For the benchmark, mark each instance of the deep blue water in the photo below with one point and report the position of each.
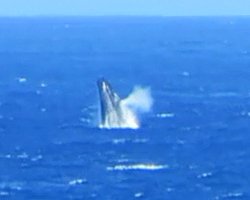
(194, 144)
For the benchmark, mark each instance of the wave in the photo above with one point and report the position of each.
(140, 166)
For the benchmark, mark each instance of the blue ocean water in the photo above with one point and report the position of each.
(194, 144)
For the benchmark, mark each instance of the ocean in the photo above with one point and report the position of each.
(193, 144)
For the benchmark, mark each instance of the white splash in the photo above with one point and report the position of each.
(138, 102)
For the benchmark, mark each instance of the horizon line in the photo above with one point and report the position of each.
(98, 16)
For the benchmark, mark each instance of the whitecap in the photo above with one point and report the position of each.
(123, 160)
(85, 120)
(185, 73)
(169, 189)
(223, 94)
(140, 166)
(245, 113)
(43, 109)
(205, 175)
(165, 115)
(22, 79)
(119, 141)
(77, 181)
(138, 194)
(36, 158)
(140, 140)
(8, 156)
(38, 92)
(11, 185)
(233, 194)
(23, 155)
(3, 193)
(43, 85)
(230, 195)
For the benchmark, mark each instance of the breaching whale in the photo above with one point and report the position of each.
(114, 112)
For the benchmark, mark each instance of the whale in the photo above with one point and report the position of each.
(114, 113)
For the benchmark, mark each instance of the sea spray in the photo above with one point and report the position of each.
(140, 100)
(123, 113)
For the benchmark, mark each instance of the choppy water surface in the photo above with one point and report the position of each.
(194, 144)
